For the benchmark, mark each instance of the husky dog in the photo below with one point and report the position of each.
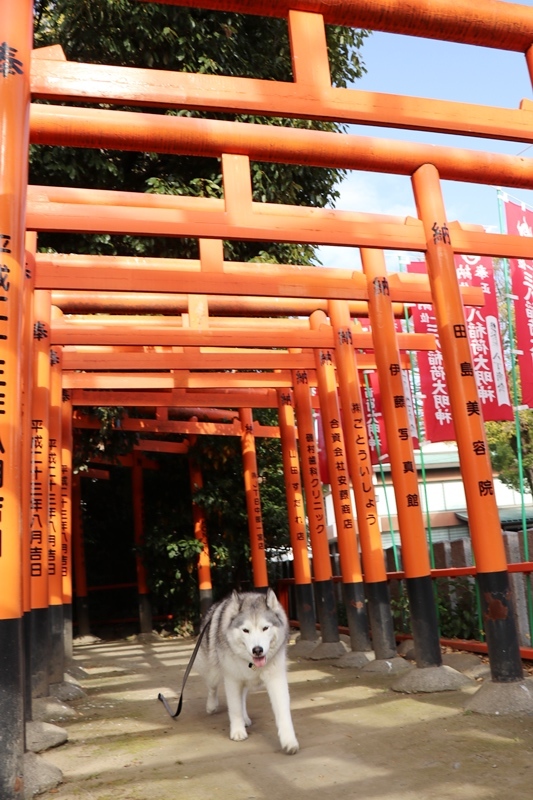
(245, 646)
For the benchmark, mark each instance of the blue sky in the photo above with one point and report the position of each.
(445, 71)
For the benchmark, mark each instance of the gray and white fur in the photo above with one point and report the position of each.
(245, 647)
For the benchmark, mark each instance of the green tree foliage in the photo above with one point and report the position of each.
(164, 37)
(170, 549)
(129, 33)
(105, 441)
(223, 499)
(503, 443)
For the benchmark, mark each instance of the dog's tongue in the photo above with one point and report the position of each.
(259, 662)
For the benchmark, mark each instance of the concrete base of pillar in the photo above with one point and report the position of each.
(67, 690)
(500, 699)
(86, 639)
(50, 709)
(41, 736)
(406, 648)
(430, 679)
(324, 650)
(39, 776)
(463, 662)
(387, 666)
(302, 648)
(355, 658)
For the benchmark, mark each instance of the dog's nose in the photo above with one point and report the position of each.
(257, 651)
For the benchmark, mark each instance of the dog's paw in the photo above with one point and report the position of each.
(212, 709)
(238, 735)
(247, 721)
(291, 747)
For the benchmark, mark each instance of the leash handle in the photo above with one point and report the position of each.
(162, 698)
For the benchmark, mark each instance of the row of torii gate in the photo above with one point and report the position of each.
(234, 316)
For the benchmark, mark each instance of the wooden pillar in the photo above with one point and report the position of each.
(205, 584)
(145, 609)
(296, 513)
(16, 29)
(361, 472)
(415, 555)
(352, 578)
(39, 499)
(78, 559)
(316, 511)
(25, 487)
(66, 520)
(476, 469)
(253, 501)
(55, 580)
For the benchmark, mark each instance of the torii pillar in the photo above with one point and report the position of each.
(253, 501)
(16, 26)
(55, 579)
(137, 489)
(431, 675)
(78, 561)
(295, 507)
(39, 497)
(360, 467)
(205, 585)
(326, 604)
(483, 517)
(352, 576)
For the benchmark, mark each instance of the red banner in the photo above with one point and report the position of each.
(485, 339)
(520, 221)
(375, 424)
(485, 344)
(434, 390)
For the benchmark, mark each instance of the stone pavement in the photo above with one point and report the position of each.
(357, 736)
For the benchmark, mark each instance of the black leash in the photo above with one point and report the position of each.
(189, 667)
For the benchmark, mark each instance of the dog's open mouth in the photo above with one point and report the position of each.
(259, 661)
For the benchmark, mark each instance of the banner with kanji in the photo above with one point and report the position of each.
(438, 423)
(485, 344)
(375, 424)
(520, 223)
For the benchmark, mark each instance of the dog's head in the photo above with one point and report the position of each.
(257, 627)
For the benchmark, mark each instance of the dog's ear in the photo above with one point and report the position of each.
(234, 602)
(272, 601)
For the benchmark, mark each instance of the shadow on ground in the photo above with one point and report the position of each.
(357, 737)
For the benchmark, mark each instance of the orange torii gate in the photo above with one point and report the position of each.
(218, 216)
(282, 290)
(245, 332)
(310, 95)
(200, 336)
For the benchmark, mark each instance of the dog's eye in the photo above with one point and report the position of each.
(245, 630)
(266, 627)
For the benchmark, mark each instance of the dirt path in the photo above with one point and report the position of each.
(358, 738)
